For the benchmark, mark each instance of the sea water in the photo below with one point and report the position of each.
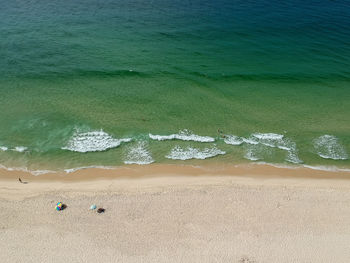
(108, 83)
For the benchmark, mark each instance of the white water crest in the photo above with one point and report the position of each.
(92, 142)
(178, 153)
(138, 154)
(271, 140)
(233, 140)
(253, 141)
(268, 136)
(328, 147)
(3, 148)
(20, 149)
(184, 135)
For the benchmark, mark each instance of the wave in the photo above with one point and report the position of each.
(290, 77)
(250, 141)
(268, 136)
(252, 155)
(24, 169)
(319, 168)
(184, 135)
(95, 141)
(233, 140)
(40, 172)
(272, 140)
(123, 73)
(286, 76)
(328, 147)
(178, 153)
(19, 149)
(138, 154)
(327, 168)
(72, 170)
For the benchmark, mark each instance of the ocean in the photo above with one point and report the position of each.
(113, 82)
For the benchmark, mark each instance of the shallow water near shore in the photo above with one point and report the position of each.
(86, 83)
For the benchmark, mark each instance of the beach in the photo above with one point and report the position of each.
(172, 213)
(209, 131)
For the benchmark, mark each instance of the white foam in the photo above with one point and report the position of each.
(285, 148)
(319, 168)
(178, 153)
(20, 149)
(233, 140)
(328, 147)
(292, 151)
(3, 148)
(184, 135)
(292, 157)
(25, 169)
(72, 170)
(41, 172)
(268, 139)
(272, 140)
(138, 154)
(327, 168)
(251, 155)
(250, 141)
(93, 142)
(268, 136)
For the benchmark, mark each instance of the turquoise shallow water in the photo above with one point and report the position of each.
(76, 77)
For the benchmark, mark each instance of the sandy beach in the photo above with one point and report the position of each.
(169, 213)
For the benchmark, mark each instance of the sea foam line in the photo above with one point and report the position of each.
(300, 166)
(184, 135)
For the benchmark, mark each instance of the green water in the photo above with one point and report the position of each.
(136, 67)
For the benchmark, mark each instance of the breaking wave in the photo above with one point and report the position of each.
(184, 135)
(328, 147)
(272, 140)
(178, 153)
(252, 154)
(3, 148)
(20, 149)
(138, 154)
(94, 141)
(233, 140)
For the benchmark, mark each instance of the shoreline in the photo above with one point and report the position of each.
(133, 171)
(135, 178)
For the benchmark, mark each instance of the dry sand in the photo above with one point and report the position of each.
(168, 213)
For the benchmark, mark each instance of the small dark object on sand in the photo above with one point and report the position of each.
(100, 210)
(20, 180)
